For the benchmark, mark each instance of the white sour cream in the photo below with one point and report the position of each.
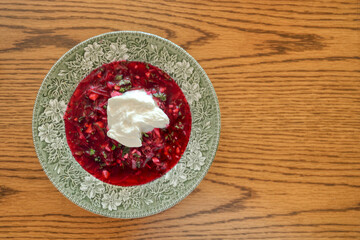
(131, 114)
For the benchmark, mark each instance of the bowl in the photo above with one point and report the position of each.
(81, 187)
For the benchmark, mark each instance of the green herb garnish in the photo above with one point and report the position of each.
(92, 152)
(124, 89)
(124, 82)
(179, 126)
(161, 96)
(113, 147)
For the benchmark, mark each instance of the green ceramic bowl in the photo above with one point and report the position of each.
(78, 185)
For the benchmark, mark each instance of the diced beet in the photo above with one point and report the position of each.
(107, 148)
(81, 135)
(79, 153)
(100, 131)
(105, 174)
(110, 84)
(157, 132)
(115, 93)
(156, 160)
(133, 164)
(93, 96)
(89, 129)
(100, 124)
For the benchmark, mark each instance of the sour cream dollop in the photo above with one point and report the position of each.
(132, 114)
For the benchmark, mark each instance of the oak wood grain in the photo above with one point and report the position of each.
(287, 75)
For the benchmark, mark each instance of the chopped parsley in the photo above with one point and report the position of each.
(92, 152)
(124, 89)
(179, 126)
(124, 82)
(161, 96)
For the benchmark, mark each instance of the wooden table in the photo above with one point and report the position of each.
(287, 77)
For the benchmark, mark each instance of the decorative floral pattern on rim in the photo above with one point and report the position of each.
(81, 187)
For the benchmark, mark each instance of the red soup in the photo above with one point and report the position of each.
(105, 158)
